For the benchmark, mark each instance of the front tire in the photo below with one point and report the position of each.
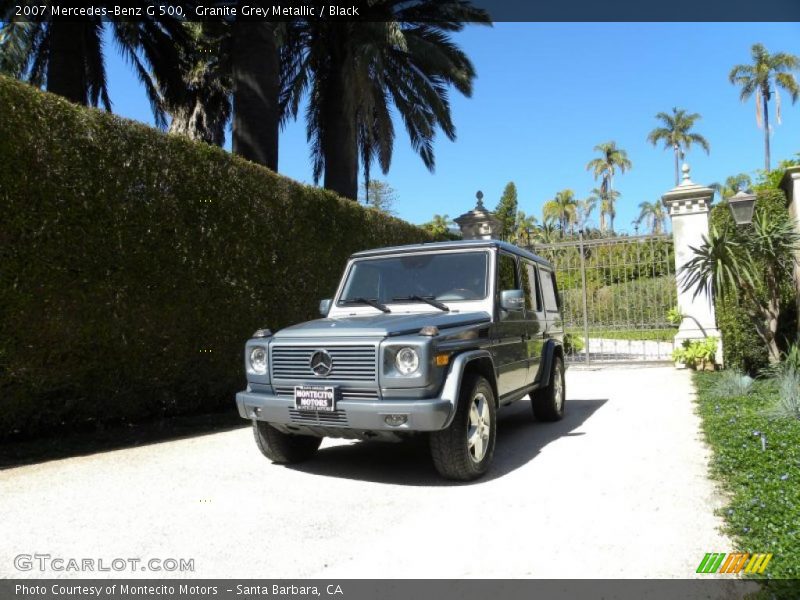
(464, 451)
(284, 448)
(548, 402)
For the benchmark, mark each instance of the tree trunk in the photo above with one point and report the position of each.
(339, 139)
(66, 68)
(766, 96)
(677, 165)
(256, 91)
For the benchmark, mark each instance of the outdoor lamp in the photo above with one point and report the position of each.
(742, 206)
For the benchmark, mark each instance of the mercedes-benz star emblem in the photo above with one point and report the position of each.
(321, 363)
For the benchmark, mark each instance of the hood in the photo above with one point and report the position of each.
(380, 325)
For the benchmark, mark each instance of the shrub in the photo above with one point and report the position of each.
(696, 353)
(731, 384)
(742, 347)
(787, 405)
(135, 264)
(573, 343)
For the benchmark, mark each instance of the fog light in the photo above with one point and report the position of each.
(395, 420)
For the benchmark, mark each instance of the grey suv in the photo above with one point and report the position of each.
(422, 339)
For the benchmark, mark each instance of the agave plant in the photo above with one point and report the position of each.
(749, 268)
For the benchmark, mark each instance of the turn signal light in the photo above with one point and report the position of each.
(442, 360)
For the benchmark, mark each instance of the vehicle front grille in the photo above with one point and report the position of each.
(302, 417)
(344, 393)
(349, 363)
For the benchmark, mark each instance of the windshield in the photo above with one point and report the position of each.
(442, 276)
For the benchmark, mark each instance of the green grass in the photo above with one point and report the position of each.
(763, 513)
(661, 335)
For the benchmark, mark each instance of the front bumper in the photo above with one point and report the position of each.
(353, 415)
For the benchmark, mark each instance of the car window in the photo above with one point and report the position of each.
(530, 284)
(549, 290)
(446, 276)
(506, 273)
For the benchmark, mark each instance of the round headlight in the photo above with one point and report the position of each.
(407, 361)
(258, 359)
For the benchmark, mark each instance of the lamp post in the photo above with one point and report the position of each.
(742, 207)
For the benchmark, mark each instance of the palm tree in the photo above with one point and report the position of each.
(203, 108)
(546, 233)
(675, 132)
(767, 73)
(583, 211)
(604, 167)
(653, 216)
(562, 209)
(732, 184)
(67, 57)
(439, 225)
(258, 54)
(398, 53)
(607, 200)
(523, 227)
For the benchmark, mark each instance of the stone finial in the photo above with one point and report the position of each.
(685, 169)
(687, 197)
(478, 223)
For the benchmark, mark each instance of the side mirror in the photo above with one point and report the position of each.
(512, 300)
(325, 306)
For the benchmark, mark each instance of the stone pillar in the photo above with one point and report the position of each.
(688, 205)
(791, 185)
(479, 223)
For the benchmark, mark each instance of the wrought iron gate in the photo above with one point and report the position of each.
(615, 295)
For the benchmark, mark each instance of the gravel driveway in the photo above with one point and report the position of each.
(618, 489)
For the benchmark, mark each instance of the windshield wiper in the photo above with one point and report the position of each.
(371, 301)
(428, 299)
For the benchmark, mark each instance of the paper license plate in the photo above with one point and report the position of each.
(316, 398)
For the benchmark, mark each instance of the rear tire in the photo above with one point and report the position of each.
(548, 402)
(464, 451)
(284, 448)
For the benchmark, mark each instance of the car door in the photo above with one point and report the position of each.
(511, 353)
(535, 318)
(554, 326)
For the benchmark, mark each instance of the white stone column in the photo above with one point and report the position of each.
(479, 223)
(688, 205)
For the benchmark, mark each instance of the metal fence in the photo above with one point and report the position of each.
(615, 296)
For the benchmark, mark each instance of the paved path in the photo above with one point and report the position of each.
(617, 489)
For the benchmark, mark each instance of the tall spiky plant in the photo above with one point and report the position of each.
(733, 266)
(675, 132)
(764, 77)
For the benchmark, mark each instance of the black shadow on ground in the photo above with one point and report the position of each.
(116, 437)
(519, 440)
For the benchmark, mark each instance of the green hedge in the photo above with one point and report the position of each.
(742, 347)
(134, 264)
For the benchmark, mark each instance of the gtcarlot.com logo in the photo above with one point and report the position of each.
(719, 562)
(47, 562)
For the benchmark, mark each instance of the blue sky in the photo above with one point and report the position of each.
(547, 93)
